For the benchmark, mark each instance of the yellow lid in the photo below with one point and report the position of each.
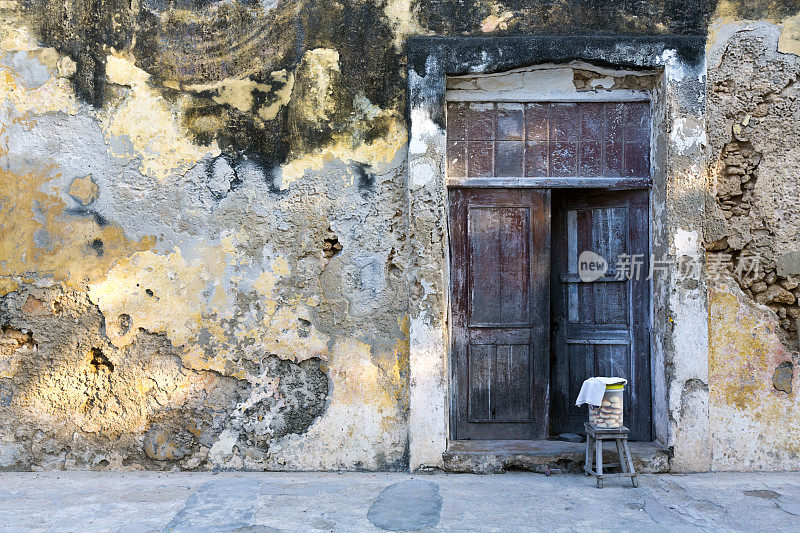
(615, 386)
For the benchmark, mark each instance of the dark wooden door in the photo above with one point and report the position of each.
(500, 267)
(601, 327)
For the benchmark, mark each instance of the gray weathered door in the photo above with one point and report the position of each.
(499, 252)
(601, 327)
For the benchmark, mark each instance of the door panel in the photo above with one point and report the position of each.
(499, 383)
(601, 327)
(498, 238)
(499, 250)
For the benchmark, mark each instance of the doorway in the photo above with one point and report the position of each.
(529, 326)
(537, 190)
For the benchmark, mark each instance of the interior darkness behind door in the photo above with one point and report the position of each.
(600, 327)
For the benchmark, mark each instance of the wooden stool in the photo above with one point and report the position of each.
(625, 464)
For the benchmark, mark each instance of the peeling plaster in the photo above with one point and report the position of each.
(147, 124)
(688, 134)
(192, 272)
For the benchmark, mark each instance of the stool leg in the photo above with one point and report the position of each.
(598, 449)
(623, 464)
(631, 469)
(588, 453)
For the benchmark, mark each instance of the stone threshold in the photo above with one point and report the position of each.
(543, 456)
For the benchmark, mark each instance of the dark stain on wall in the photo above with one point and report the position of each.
(453, 17)
(365, 179)
(96, 245)
(361, 33)
(763, 9)
(185, 42)
(189, 42)
(82, 29)
(99, 219)
(782, 377)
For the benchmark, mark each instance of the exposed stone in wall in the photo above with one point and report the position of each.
(737, 178)
(753, 214)
(754, 134)
(141, 402)
(736, 182)
(331, 246)
(588, 80)
(292, 399)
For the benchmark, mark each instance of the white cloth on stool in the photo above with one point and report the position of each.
(593, 389)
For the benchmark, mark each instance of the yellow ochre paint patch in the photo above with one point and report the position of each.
(744, 352)
(54, 96)
(39, 237)
(163, 293)
(789, 41)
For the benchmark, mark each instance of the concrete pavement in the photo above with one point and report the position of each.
(519, 501)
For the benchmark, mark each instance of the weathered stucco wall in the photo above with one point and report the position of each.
(206, 228)
(203, 259)
(754, 212)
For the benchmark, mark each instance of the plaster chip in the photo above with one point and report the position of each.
(789, 41)
(84, 190)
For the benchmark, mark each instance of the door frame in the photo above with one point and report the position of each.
(677, 149)
(580, 185)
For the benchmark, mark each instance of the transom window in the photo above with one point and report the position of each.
(578, 139)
